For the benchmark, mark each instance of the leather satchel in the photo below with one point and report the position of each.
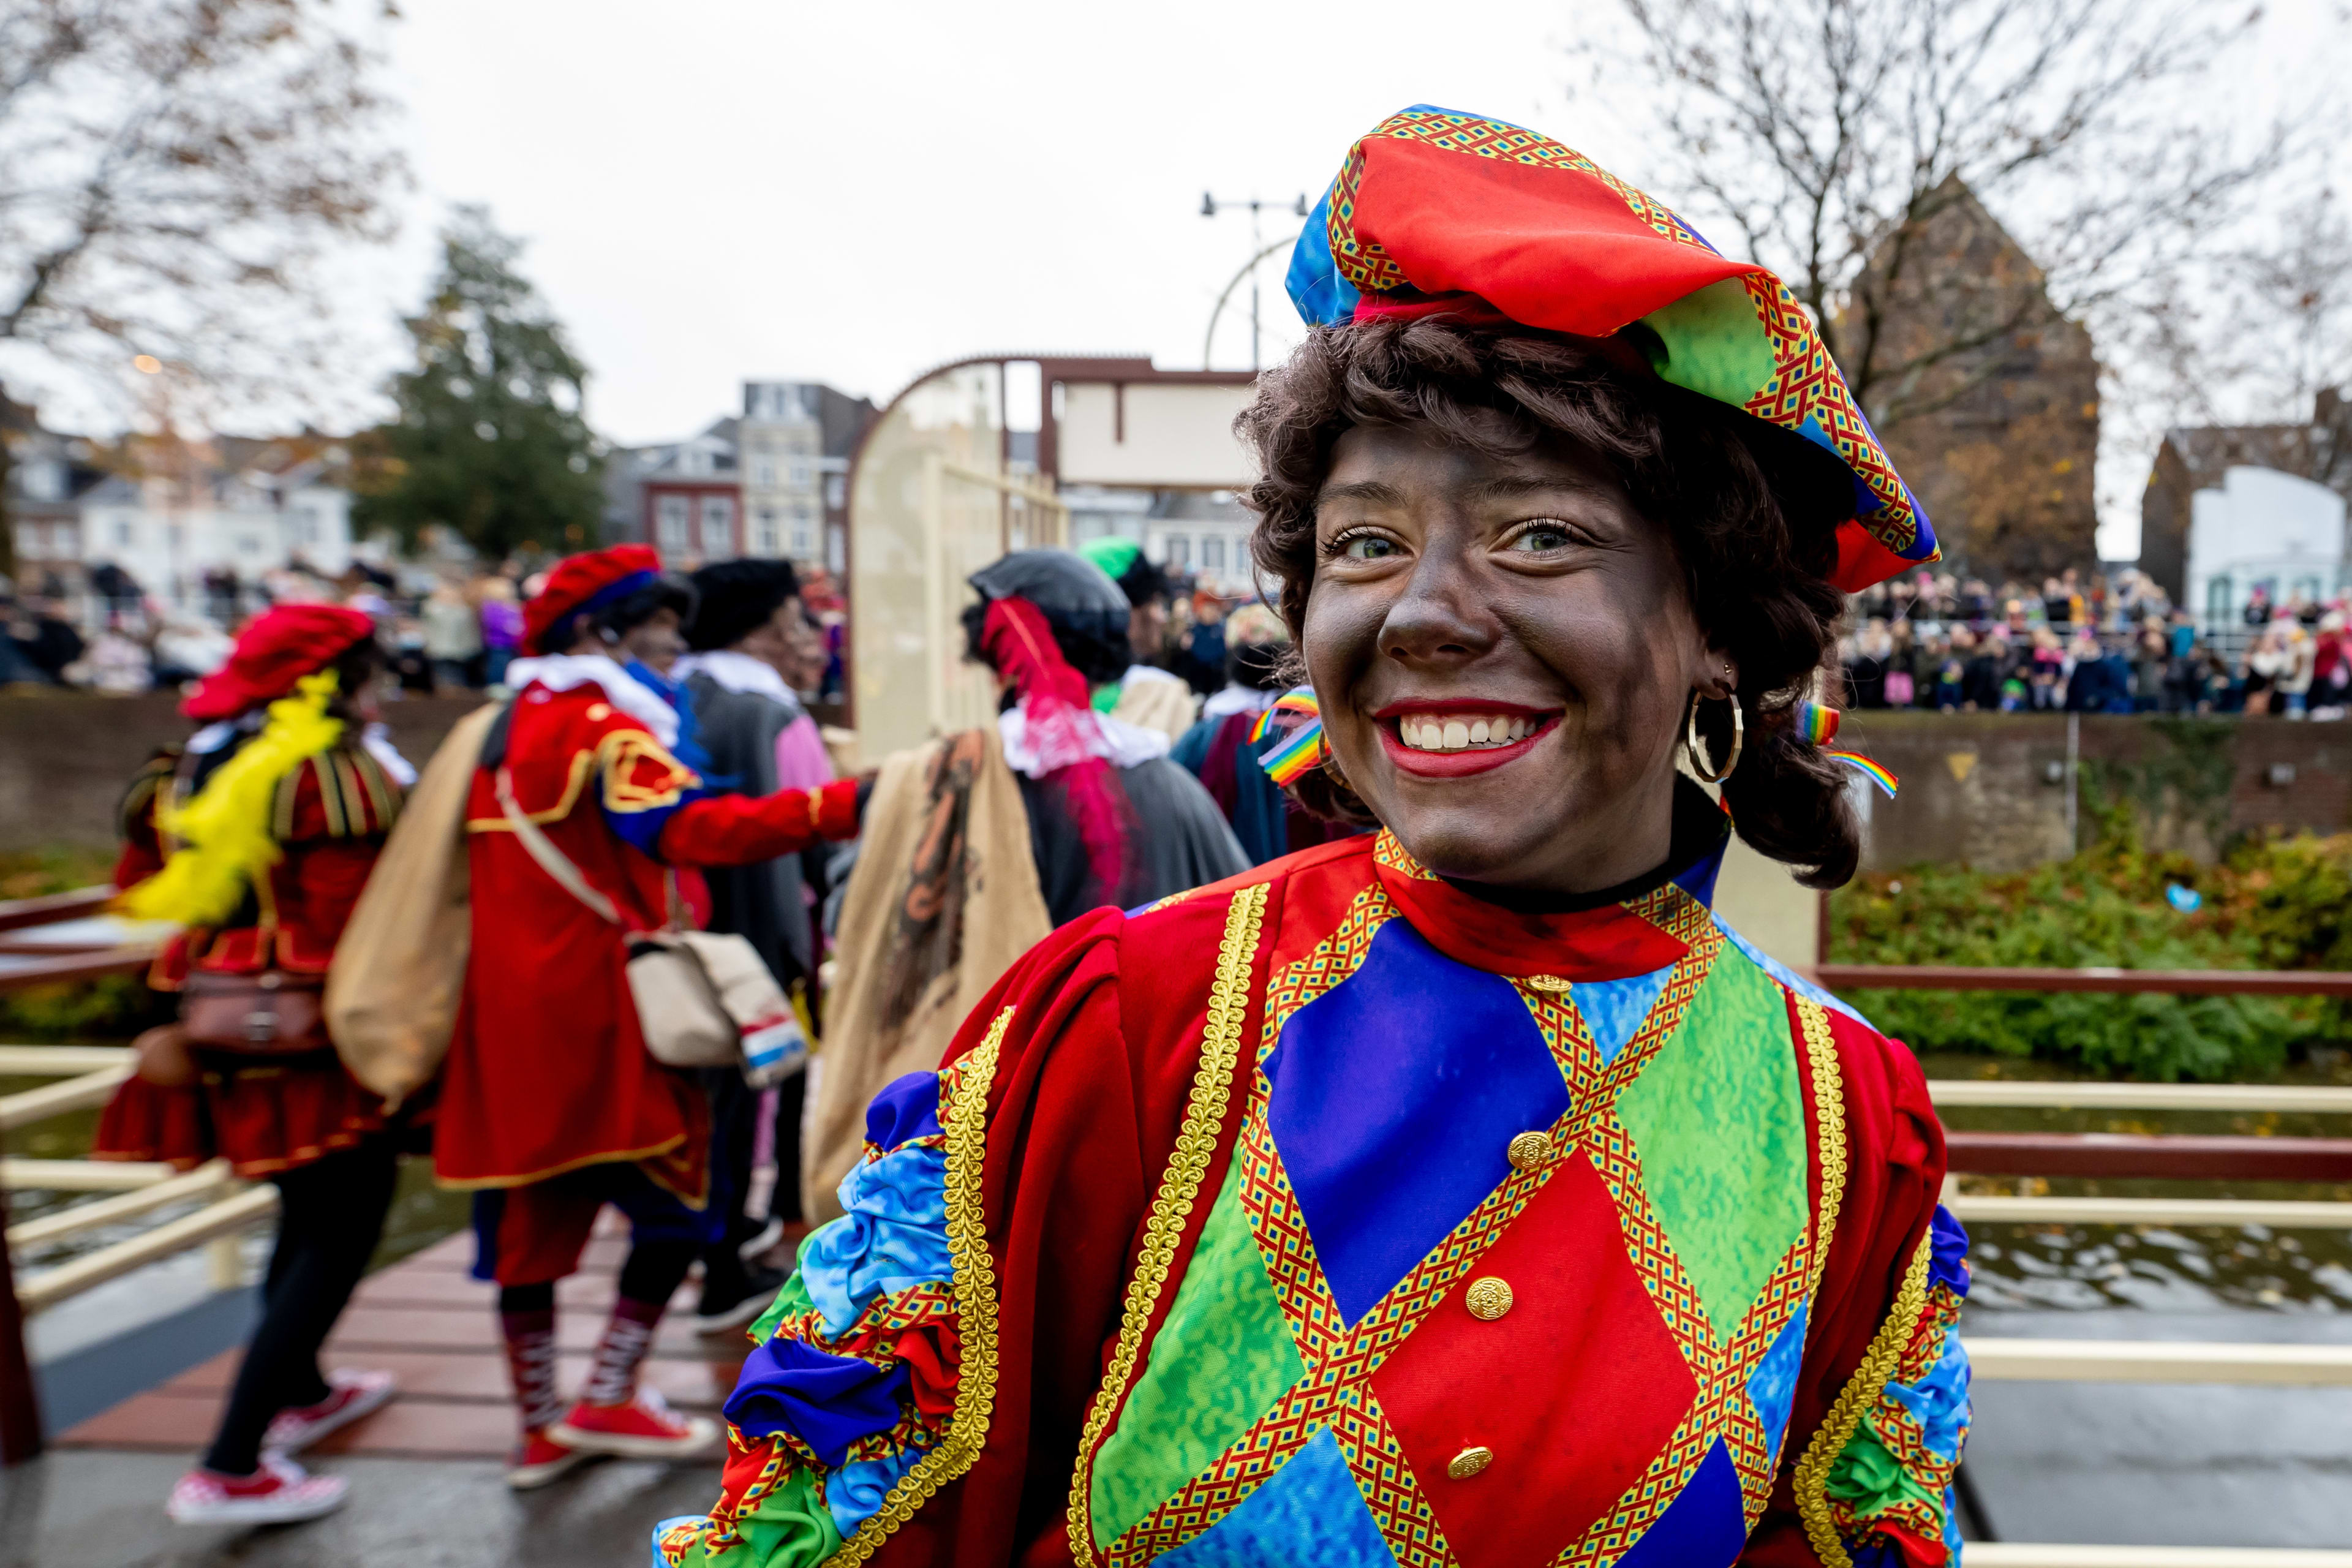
(697, 992)
(270, 1013)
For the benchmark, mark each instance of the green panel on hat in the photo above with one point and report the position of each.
(1713, 344)
(1115, 556)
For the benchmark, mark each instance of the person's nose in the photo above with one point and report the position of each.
(1437, 620)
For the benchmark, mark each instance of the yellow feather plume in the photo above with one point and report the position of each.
(224, 832)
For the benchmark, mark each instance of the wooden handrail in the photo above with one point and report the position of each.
(2018, 1360)
(2071, 1095)
(2278, 1214)
(128, 960)
(2171, 981)
(2170, 1156)
(247, 1208)
(17, 913)
(68, 1094)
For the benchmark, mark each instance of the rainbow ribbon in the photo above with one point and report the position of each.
(1816, 723)
(1301, 748)
(1867, 769)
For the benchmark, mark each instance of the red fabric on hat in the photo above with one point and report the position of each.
(1503, 231)
(278, 648)
(575, 580)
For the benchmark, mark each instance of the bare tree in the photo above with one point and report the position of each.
(171, 173)
(1832, 134)
(2293, 328)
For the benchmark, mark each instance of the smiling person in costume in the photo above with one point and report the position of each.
(258, 836)
(1465, 1192)
(550, 1105)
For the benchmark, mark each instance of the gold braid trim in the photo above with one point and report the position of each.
(1860, 1392)
(1180, 1188)
(966, 1124)
(1829, 1126)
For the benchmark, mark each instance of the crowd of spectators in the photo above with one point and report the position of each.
(443, 629)
(2101, 644)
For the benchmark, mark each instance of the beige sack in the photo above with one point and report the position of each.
(1167, 705)
(400, 969)
(944, 898)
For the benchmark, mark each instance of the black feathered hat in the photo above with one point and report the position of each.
(736, 598)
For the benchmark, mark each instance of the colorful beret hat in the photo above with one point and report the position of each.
(277, 648)
(1437, 212)
(591, 581)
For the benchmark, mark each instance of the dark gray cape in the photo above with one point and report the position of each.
(761, 902)
(1177, 838)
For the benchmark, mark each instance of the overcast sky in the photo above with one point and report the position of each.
(727, 189)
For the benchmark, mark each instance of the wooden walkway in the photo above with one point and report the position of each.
(432, 1325)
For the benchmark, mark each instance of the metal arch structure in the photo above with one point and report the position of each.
(935, 493)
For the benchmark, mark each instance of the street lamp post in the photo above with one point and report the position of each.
(1210, 206)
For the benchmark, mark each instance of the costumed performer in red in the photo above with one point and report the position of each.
(1465, 1191)
(551, 1106)
(258, 836)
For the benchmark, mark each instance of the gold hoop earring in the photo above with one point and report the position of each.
(1697, 748)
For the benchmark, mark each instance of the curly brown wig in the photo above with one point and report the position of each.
(1752, 510)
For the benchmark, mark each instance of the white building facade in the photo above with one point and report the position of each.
(2268, 530)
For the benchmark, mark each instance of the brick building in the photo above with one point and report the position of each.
(1987, 398)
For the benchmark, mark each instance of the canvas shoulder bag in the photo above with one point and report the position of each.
(697, 992)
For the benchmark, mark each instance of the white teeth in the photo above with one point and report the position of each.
(1430, 732)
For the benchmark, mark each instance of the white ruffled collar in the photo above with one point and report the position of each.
(1236, 698)
(737, 673)
(565, 672)
(1115, 740)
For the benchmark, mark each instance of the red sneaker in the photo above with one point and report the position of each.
(354, 1395)
(279, 1492)
(538, 1459)
(644, 1429)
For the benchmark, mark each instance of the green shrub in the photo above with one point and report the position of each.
(2282, 903)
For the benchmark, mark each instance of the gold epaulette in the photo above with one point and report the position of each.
(360, 799)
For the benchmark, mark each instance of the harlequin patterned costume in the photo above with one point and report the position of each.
(1437, 212)
(1333, 1216)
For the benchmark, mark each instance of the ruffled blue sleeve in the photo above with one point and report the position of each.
(1890, 1489)
(854, 1377)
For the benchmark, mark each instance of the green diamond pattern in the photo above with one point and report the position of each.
(1720, 1124)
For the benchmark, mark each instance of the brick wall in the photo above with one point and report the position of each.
(1978, 787)
(65, 756)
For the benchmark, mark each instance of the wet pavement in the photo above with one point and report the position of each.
(2163, 1465)
(105, 1509)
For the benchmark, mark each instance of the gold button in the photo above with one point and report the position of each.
(598, 712)
(1552, 983)
(1468, 1463)
(1487, 1298)
(1527, 1151)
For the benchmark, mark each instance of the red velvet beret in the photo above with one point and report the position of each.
(276, 649)
(578, 581)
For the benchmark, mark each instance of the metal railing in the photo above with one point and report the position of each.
(86, 1076)
(2170, 1157)
(140, 1188)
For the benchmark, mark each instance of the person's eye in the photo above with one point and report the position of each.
(1543, 536)
(1363, 546)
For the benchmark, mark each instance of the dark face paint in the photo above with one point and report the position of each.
(1451, 586)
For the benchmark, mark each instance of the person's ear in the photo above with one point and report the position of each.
(1718, 676)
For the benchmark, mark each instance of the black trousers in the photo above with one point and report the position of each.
(785, 1202)
(330, 1216)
